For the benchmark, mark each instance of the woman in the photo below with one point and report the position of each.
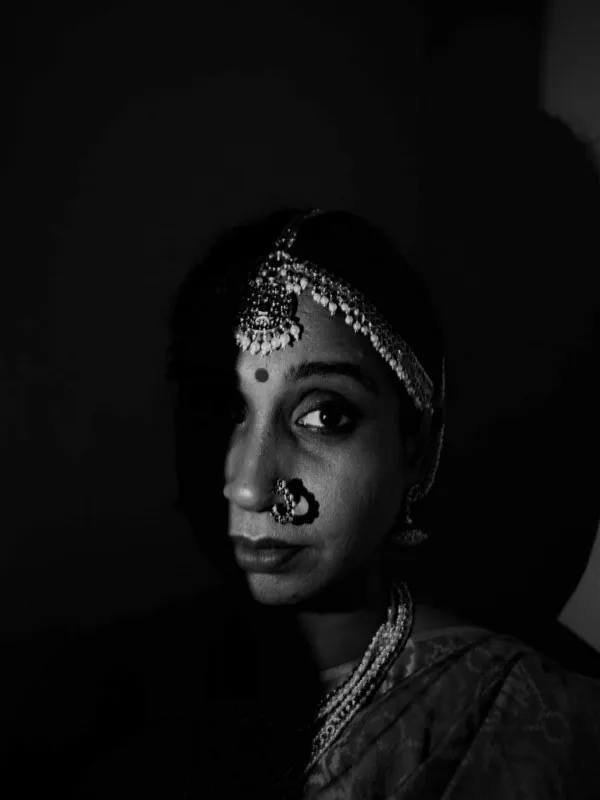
(306, 361)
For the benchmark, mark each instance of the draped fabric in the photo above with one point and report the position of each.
(462, 713)
(465, 713)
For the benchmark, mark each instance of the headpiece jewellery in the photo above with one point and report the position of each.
(268, 321)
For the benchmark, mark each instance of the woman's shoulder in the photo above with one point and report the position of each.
(505, 661)
(526, 693)
(432, 621)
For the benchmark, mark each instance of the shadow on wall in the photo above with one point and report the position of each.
(514, 242)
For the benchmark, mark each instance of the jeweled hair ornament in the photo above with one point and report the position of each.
(268, 320)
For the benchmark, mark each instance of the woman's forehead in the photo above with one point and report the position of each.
(324, 338)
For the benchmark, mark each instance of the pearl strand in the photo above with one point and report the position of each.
(337, 695)
(341, 718)
(347, 700)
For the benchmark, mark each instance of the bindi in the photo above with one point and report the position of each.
(261, 375)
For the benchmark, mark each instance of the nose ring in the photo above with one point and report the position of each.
(281, 488)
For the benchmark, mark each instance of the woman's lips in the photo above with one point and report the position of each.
(263, 543)
(264, 555)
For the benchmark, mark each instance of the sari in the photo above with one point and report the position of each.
(465, 713)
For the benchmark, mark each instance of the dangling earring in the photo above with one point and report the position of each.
(411, 535)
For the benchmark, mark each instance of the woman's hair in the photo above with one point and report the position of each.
(202, 349)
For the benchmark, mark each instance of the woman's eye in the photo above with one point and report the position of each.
(328, 418)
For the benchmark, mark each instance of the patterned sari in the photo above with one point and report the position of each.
(464, 713)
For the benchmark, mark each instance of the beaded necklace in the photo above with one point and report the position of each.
(340, 706)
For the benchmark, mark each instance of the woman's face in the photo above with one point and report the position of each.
(325, 412)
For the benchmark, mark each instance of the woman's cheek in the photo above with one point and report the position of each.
(351, 498)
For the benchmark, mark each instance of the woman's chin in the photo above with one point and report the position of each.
(276, 590)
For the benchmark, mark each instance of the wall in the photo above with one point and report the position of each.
(571, 90)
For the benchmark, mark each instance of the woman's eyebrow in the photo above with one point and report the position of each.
(308, 369)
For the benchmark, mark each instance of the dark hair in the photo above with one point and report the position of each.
(202, 350)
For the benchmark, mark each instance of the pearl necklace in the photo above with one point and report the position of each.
(341, 705)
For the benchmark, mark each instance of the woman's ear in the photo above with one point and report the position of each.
(421, 448)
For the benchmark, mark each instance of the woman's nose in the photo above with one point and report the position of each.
(249, 495)
(250, 474)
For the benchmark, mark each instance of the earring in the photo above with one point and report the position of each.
(411, 535)
(281, 488)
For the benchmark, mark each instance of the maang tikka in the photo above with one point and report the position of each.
(268, 322)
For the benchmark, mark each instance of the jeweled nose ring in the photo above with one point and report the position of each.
(281, 489)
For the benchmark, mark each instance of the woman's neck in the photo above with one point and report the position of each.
(324, 633)
(340, 636)
(339, 628)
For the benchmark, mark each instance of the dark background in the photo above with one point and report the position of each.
(137, 132)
